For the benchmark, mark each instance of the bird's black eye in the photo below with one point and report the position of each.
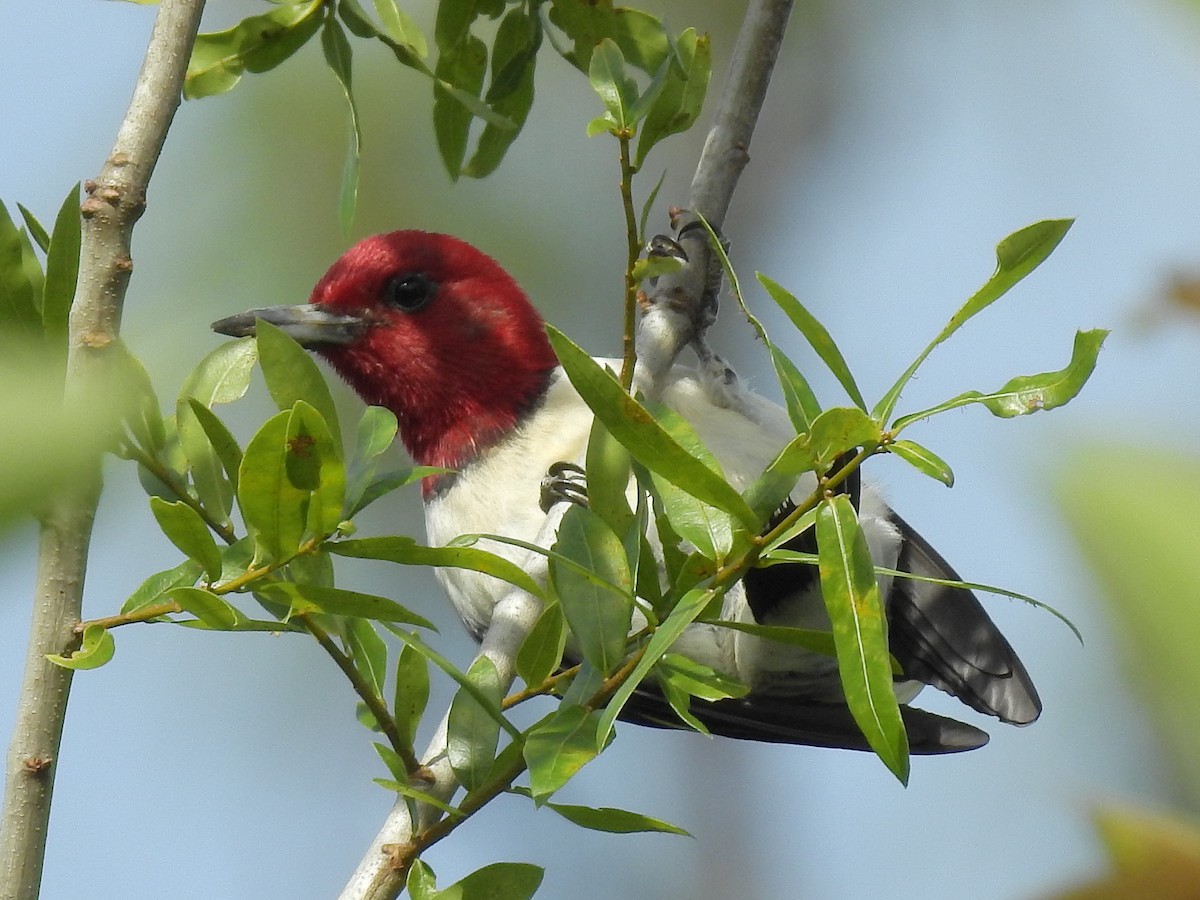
(409, 292)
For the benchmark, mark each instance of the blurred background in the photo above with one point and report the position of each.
(899, 143)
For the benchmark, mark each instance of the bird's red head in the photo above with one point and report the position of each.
(449, 342)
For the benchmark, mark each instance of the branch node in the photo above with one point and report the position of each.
(37, 765)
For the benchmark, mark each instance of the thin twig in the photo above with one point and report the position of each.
(116, 200)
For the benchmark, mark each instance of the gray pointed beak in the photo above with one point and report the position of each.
(308, 325)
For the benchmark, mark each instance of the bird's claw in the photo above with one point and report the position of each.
(563, 482)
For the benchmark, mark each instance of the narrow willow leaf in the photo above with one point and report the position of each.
(809, 638)
(686, 611)
(472, 733)
(460, 71)
(292, 375)
(407, 552)
(1016, 256)
(186, 530)
(62, 271)
(392, 760)
(369, 653)
(1029, 393)
(213, 488)
(816, 335)
(608, 473)
(154, 588)
(860, 631)
(614, 821)
(412, 692)
(923, 460)
(256, 44)
(647, 441)
(314, 454)
(498, 881)
(542, 650)
(383, 484)
(37, 231)
(339, 57)
(20, 318)
(274, 509)
(311, 598)
(223, 375)
(802, 405)
(222, 440)
(96, 648)
(209, 608)
(598, 609)
(682, 96)
(558, 747)
(699, 680)
(407, 790)
(400, 26)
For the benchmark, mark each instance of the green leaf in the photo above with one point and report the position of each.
(923, 460)
(292, 375)
(186, 530)
(412, 692)
(369, 653)
(376, 432)
(1016, 256)
(214, 490)
(400, 26)
(472, 732)
(223, 375)
(407, 552)
(686, 611)
(420, 883)
(209, 608)
(256, 44)
(614, 821)
(222, 441)
(596, 599)
(142, 414)
(315, 463)
(498, 881)
(541, 651)
(339, 56)
(839, 430)
(801, 402)
(647, 441)
(817, 336)
(640, 36)
(678, 104)
(1029, 393)
(699, 680)
(860, 631)
(608, 469)
(460, 70)
(558, 747)
(36, 230)
(154, 588)
(382, 485)
(617, 91)
(808, 638)
(20, 319)
(62, 271)
(310, 598)
(274, 509)
(96, 648)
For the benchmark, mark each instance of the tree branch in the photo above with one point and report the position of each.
(115, 202)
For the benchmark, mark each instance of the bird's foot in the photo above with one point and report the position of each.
(563, 482)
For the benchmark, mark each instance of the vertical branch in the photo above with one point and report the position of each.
(115, 202)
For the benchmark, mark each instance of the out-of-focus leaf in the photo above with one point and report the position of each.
(542, 650)
(641, 37)
(20, 318)
(647, 441)
(407, 552)
(62, 271)
(1030, 393)
(376, 432)
(682, 95)
(96, 648)
(596, 599)
(274, 509)
(614, 821)
(400, 26)
(292, 375)
(558, 747)
(860, 631)
(256, 44)
(223, 375)
(498, 881)
(186, 530)
(339, 56)
(310, 598)
(923, 460)
(1016, 256)
(460, 70)
(472, 732)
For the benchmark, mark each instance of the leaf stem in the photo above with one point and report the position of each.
(633, 250)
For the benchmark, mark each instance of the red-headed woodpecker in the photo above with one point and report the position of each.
(437, 332)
